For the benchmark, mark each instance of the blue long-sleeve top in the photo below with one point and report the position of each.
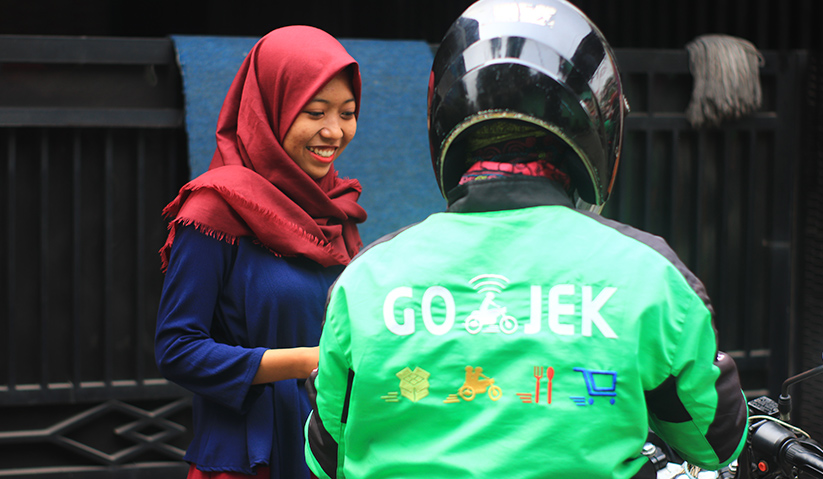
(222, 306)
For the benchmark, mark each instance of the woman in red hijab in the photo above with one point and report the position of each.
(254, 244)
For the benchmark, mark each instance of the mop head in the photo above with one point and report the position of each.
(726, 73)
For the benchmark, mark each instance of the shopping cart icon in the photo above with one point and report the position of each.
(598, 383)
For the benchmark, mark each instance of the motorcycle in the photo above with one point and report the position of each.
(775, 449)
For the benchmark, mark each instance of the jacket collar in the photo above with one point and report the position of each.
(506, 194)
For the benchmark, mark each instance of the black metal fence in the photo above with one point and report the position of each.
(92, 144)
(724, 198)
(92, 147)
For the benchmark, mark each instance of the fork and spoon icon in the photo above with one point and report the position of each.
(538, 375)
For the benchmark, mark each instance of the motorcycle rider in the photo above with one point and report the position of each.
(526, 112)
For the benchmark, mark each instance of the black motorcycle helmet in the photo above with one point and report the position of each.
(541, 62)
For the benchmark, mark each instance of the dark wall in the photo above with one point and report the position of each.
(770, 24)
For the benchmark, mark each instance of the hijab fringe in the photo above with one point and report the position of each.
(324, 246)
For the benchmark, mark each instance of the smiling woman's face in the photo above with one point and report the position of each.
(323, 128)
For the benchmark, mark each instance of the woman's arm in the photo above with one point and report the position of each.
(185, 351)
(288, 363)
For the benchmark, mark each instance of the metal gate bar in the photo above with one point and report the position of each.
(729, 208)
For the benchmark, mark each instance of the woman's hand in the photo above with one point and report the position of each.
(288, 363)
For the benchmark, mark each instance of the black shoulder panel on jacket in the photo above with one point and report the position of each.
(383, 239)
(664, 403)
(726, 431)
(323, 446)
(661, 246)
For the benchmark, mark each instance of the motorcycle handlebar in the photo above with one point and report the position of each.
(780, 443)
(805, 459)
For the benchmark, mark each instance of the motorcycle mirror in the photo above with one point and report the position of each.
(784, 403)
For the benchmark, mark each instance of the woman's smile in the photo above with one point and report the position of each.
(323, 153)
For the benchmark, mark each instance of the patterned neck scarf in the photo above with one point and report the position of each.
(500, 150)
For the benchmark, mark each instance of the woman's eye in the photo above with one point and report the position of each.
(348, 114)
(314, 114)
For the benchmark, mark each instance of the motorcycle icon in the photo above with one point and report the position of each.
(492, 316)
(477, 383)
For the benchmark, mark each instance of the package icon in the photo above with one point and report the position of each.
(414, 384)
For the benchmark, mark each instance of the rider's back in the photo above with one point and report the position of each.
(607, 320)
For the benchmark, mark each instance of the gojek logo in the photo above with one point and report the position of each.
(490, 315)
(567, 304)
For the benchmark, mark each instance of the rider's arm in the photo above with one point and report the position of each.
(700, 409)
(328, 388)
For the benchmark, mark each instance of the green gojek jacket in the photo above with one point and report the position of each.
(516, 337)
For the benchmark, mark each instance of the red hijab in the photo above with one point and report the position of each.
(252, 187)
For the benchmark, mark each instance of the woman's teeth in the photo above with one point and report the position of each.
(324, 152)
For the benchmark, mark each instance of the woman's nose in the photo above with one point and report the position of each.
(332, 129)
